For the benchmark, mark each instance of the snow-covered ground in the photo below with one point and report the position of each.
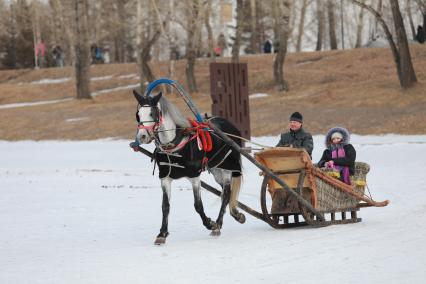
(88, 212)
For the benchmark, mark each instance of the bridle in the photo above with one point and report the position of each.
(157, 119)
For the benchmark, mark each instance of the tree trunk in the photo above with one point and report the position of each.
(121, 31)
(174, 52)
(275, 18)
(301, 27)
(193, 27)
(342, 26)
(359, 27)
(210, 37)
(320, 30)
(82, 50)
(144, 48)
(376, 21)
(331, 24)
(407, 76)
(254, 30)
(283, 28)
(238, 31)
(424, 18)
(260, 26)
(410, 19)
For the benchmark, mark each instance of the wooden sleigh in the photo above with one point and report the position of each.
(336, 201)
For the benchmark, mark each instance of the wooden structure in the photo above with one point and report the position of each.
(229, 93)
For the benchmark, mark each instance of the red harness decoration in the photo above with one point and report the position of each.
(202, 134)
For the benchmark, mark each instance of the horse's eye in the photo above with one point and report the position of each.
(153, 114)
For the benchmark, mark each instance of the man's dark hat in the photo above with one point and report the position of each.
(296, 116)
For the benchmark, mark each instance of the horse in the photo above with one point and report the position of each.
(179, 153)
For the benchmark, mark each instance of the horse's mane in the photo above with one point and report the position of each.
(169, 109)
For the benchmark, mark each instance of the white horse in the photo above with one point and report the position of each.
(179, 153)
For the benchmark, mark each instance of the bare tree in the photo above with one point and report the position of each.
(400, 50)
(360, 25)
(254, 40)
(207, 11)
(422, 6)
(301, 28)
(82, 50)
(173, 50)
(193, 19)
(376, 22)
(236, 46)
(145, 40)
(282, 26)
(331, 24)
(406, 69)
(120, 36)
(410, 18)
(320, 21)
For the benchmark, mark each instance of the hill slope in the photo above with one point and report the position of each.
(357, 89)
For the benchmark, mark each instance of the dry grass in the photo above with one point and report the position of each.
(357, 89)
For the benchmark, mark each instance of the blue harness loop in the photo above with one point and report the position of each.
(180, 91)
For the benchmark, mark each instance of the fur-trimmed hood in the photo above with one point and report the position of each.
(341, 130)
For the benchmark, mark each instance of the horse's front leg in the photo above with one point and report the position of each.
(198, 204)
(166, 184)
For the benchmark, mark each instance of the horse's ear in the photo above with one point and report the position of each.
(157, 98)
(141, 100)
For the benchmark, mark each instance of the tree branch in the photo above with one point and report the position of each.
(382, 22)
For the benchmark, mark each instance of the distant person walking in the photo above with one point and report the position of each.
(96, 54)
(221, 45)
(267, 46)
(107, 58)
(58, 56)
(40, 53)
(421, 34)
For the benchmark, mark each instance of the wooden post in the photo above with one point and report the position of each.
(229, 93)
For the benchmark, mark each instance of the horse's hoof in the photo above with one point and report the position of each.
(240, 217)
(211, 225)
(215, 233)
(160, 241)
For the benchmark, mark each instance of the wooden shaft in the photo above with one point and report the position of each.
(268, 172)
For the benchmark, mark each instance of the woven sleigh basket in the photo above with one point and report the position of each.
(331, 198)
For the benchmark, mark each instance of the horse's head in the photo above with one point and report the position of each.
(148, 116)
